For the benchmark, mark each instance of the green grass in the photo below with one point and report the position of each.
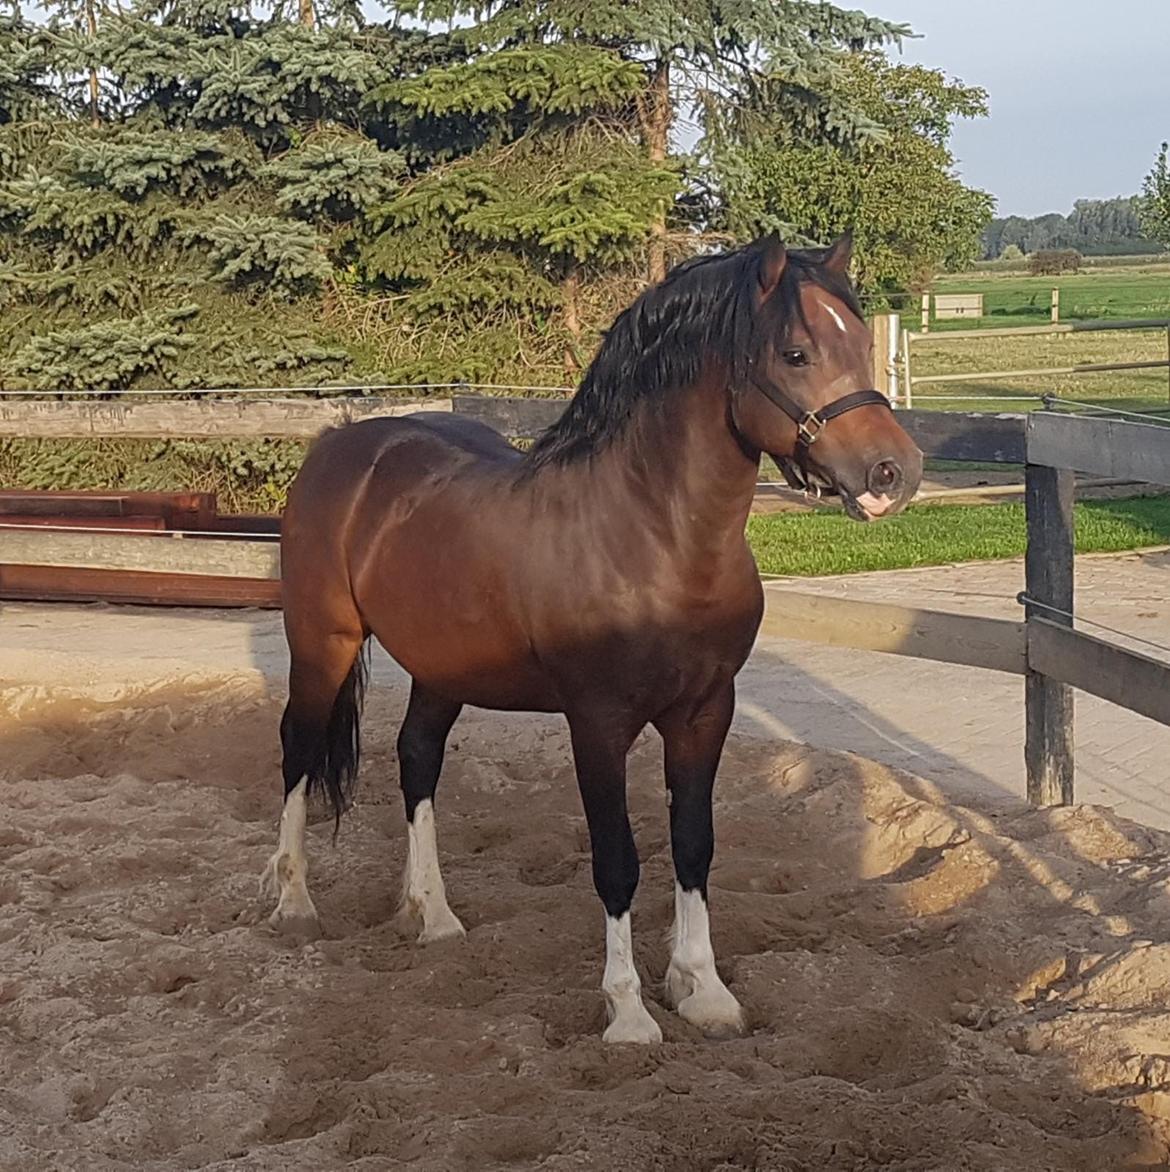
(931, 535)
(1017, 299)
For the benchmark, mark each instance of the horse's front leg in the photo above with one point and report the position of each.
(693, 733)
(600, 746)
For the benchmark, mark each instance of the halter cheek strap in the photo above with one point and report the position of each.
(810, 424)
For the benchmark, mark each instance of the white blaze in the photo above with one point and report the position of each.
(834, 315)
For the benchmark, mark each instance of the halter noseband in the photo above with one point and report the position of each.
(810, 424)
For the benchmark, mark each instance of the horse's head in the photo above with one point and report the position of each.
(803, 395)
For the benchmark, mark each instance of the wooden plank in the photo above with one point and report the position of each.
(15, 503)
(946, 435)
(1076, 327)
(56, 584)
(163, 554)
(950, 305)
(1036, 372)
(513, 418)
(975, 436)
(1100, 447)
(248, 523)
(251, 418)
(1048, 579)
(145, 524)
(970, 640)
(1129, 678)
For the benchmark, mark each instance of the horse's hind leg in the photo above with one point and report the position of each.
(318, 734)
(422, 742)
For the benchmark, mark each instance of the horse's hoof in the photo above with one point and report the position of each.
(633, 1027)
(714, 1011)
(445, 927)
(301, 924)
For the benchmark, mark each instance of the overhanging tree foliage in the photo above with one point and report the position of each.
(236, 193)
(896, 188)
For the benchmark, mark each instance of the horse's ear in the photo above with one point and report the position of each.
(839, 254)
(773, 258)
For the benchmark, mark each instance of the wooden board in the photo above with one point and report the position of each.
(948, 305)
(1100, 447)
(53, 584)
(954, 435)
(1129, 678)
(970, 640)
(68, 522)
(186, 510)
(513, 418)
(944, 435)
(252, 418)
(166, 553)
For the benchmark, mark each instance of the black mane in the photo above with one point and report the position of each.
(661, 341)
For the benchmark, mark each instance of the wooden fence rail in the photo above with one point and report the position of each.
(1046, 648)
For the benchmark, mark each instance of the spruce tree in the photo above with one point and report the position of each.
(718, 55)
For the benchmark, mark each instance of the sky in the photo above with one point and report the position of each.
(1079, 92)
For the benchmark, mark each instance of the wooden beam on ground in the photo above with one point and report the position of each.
(132, 587)
(969, 640)
(133, 418)
(1100, 447)
(1048, 583)
(1128, 678)
(164, 554)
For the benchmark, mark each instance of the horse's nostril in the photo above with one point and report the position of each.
(884, 478)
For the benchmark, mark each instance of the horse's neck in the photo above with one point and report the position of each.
(684, 475)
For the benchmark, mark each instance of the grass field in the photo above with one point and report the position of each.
(933, 535)
(1014, 299)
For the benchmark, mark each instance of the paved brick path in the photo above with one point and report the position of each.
(961, 728)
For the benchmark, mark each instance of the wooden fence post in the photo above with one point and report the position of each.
(885, 354)
(907, 377)
(926, 313)
(1055, 305)
(1048, 578)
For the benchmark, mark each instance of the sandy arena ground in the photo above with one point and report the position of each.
(929, 986)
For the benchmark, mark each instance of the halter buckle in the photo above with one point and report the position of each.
(809, 428)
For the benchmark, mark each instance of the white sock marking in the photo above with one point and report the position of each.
(692, 981)
(288, 869)
(424, 892)
(629, 1020)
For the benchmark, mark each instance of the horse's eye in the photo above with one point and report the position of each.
(795, 357)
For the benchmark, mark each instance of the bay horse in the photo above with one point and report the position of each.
(604, 574)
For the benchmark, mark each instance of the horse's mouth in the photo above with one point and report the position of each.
(866, 507)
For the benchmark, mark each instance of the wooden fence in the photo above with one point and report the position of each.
(1044, 648)
(908, 381)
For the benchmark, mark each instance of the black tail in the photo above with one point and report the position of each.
(337, 771)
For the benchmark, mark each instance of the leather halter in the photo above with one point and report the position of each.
(810, 424)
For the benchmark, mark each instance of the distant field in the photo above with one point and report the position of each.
(1013, 299)
(1016, 299)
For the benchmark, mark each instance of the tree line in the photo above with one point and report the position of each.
(1095, 227)
(207, 193)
